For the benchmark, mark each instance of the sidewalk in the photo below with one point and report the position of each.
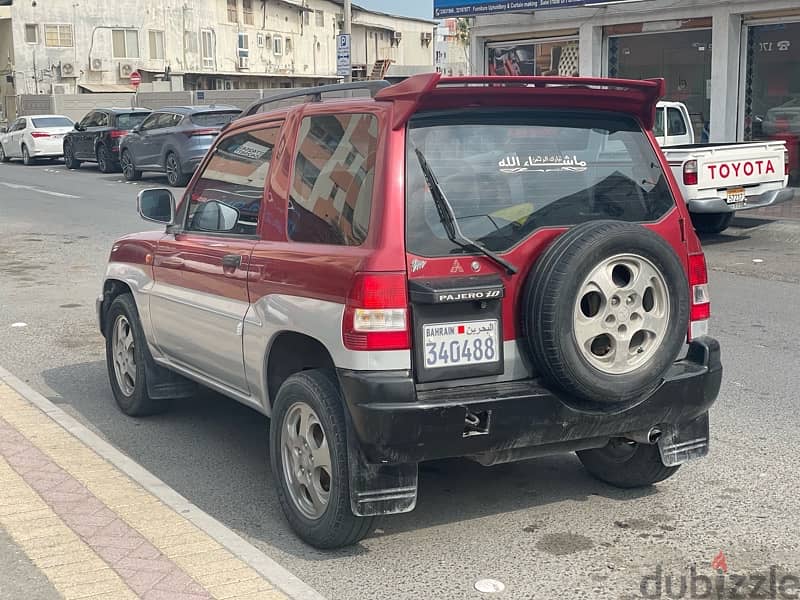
(97, 534)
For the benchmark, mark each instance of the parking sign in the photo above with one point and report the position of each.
(343, 58)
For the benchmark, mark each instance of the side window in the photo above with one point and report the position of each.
(234, 178)
(101, 119)
(19, 125)
(151, 122)
(172, 120)
(658, 126)
(677, 126)
(88, 120)
(331, 195)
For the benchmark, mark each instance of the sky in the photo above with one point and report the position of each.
(410, 8)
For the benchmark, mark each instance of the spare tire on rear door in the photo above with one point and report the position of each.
(605, 311)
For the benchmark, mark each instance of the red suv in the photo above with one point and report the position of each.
(491, 267)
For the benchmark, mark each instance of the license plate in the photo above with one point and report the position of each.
(736, 196)
(461, 343)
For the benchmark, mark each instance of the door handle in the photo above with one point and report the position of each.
(231, 261)
(171, 263)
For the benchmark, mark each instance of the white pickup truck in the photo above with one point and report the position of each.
(719, 179)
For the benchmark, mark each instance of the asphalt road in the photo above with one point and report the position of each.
(544, 528)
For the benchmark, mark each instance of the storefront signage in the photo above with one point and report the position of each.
(467, 8)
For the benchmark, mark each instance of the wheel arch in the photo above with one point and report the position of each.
(112, 288)
(289, 353)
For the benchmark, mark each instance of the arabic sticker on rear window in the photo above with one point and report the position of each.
(538, 163)
(251, 150)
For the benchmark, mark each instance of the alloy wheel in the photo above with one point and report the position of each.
(306, 460)
(173, 170)
(122, 344)
(621, 314)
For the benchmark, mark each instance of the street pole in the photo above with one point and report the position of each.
(347, 29)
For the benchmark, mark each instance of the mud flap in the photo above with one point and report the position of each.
(378, 489)
(684, 442)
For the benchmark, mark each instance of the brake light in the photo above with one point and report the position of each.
(700, 300)
(204, 131)
(786, 163)
(118, 133)
(376, 313)
(690, 172)
(39, 134)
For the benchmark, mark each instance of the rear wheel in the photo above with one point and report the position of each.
(27, 159)
(175, 174)
(626, 464)
(308, 451)
(104, 161)
(711, 222)
(129, 171)
(69, 157)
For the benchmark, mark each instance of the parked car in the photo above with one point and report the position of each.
(454, 267)
(173, 141)
(96, 138)
(35, 136)
(717, 180)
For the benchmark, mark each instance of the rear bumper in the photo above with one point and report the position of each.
(394, 423)
(718, 205)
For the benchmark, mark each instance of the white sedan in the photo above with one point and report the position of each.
(35, 136)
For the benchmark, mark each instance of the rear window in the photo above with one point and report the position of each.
(130, 120)
(214, 119)
(510, 173)
(52, 122)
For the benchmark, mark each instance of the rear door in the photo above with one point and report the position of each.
(200, 296)
(515, 179)
(158, 137)
(136, 141)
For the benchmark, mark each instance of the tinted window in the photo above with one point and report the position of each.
(151, 122)
(331, 194)
(677, 125)
(658, 126)
(234, 177)
(508, 174)
(130, 120)
(52, 122)
(214, 119)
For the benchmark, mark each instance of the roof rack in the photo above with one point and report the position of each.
(315, 94)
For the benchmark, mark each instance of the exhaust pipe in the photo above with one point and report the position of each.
(648, 436)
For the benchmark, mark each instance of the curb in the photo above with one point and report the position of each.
(274, 573)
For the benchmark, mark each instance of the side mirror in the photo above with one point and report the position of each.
(137, 129)
(78, 127)
(156, 205)
(213, 215)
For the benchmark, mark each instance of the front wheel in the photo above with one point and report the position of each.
(626, 464)
(3, 156)
(308, 451)
(711, 222)
(69, 157)
(129, 171)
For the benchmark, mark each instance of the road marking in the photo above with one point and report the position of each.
(31, 188)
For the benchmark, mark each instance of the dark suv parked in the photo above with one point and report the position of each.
(173, 141)
(97, 137)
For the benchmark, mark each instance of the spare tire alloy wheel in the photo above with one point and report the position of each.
(606, 311)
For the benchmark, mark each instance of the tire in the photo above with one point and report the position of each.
(130, 393)
(626, 464)
(105, 163)
(711, 222)
(3, 156)
(175, 175)
(69, 157)
(129, 171)
(329, 524)
(27, 159)
(591, 327)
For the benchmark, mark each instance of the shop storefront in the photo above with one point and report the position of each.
(735, 66)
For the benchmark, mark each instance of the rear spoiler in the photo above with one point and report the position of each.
(432, 91)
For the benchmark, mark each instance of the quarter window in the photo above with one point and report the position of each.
(58, 36)
(234, 178)
(331, 194)
(125, 43)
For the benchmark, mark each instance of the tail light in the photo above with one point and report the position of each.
(786, 163)
(118, 133)
(39, 134)
(700, 301)
(690, 172)
(376, 313)
(204, 131)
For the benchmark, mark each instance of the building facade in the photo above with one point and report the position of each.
(65, 47)
(735, 64)
(451, 55)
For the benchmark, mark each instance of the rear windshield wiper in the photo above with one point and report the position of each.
(449, 221)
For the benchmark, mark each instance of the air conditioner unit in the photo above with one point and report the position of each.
(125, 70)
(397, 36)
(98, 64)
(244, 63)
(68, 70)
